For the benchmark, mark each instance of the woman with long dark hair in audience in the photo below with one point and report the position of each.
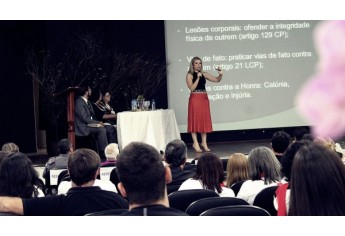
(209, 175)
(317, 182)
(281, 202)
(18, 178)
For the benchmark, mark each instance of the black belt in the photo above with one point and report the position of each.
(199, 90)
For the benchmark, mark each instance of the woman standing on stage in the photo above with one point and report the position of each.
(199, 115)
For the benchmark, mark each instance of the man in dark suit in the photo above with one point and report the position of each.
(86, 123)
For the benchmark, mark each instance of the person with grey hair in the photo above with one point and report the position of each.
(175, 156)
(10, 147)
(264, 171)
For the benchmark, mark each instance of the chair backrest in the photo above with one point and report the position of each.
(52, 181)
(237, 186)
(224, 163)
(63, 176)
(199, 206)
(172, 188)
(182, 199)
(105, 171)
(190, 167)
(264, 199)
(113, 212)
(236, 211)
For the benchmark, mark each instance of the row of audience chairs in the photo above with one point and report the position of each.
(201, 202)
(196, 202)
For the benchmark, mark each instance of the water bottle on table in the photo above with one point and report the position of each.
(134, 104)
(153, 104)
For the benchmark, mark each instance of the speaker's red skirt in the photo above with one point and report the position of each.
(199, 115)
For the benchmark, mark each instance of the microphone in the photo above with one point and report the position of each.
(218, 69)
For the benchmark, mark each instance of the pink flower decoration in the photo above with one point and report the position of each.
(330, 44)
(322, 99)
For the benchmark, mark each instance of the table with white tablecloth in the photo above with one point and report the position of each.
(156, 128)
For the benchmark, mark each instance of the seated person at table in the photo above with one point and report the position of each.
(81, 199)
(86, 122)
(143, 179)
(107, 115)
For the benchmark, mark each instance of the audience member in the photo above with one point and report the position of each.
(299, 132)
(59, 162)
(65, 186)
(175, 156)
(280, 142)
(105, 113)
(307, 137)
(328, 143)
(3, 154)
(264, 171)
(143, 179)
(81, 199)
(209, 175)
(86, 122)
(236, 169)
(10, 147)
(317, 183)
(111, 152)
(18, 178)
(282, 192)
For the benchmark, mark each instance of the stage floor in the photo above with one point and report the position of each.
(225, 149)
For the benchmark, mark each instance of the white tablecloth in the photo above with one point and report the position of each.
(156, 128)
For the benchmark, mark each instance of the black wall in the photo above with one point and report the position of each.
(17, 107)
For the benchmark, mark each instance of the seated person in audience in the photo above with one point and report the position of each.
(143, 179)
(236, 169)
(107, 115)
(307, 137)
(81, 199)
(280, 142)
(264, 171)
(175, 156)
(111, 152)
(86, 122)
(18, 178)
(209, 175)
(10, 147)
(107, 185)
(299, 132)
(59, 162)
(282, 192)
(328, 143)
(3, 154)
(317, 183)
